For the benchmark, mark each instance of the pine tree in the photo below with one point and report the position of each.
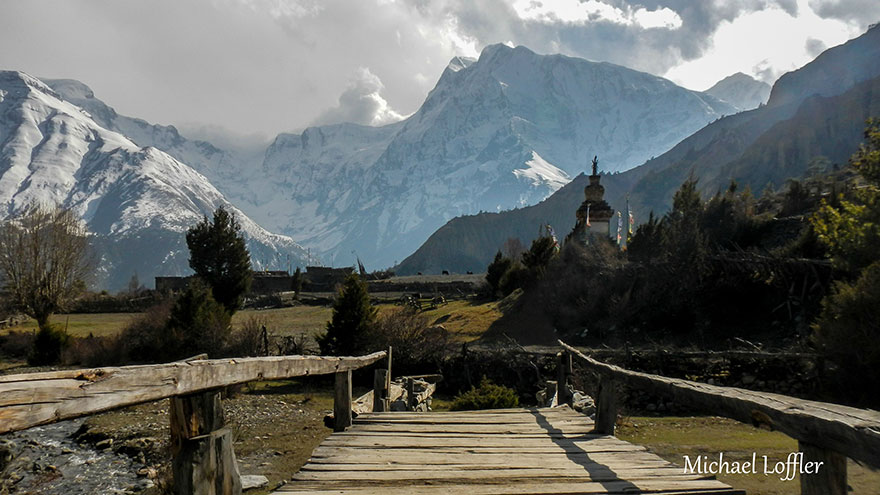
(496, 270)
(219, 257)
(353, 318)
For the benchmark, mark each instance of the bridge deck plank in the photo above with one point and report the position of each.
(506, 452)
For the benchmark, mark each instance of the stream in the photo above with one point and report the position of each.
(46, 460)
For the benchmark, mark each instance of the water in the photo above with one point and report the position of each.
(46, 460)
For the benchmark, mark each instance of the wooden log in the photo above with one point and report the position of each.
(830, 478)
(203, 458)
(606, 406)
(853, 432)
(563, 372)
(342, 401)
(380, 392)
(410, 394)
(33, 399)
(205, 465)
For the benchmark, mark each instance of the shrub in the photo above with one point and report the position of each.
(251, 339)
(415, 342)
(487, 396)
(199, 323)
(50, 341)
(847, 333)
(146, 338)
(17, 344)
(95, 351)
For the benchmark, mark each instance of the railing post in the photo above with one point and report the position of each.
(380, 393)
(410, 394)
(830, 478)
(342, 401)
(563, 372)
(606, 406)
(203, 459)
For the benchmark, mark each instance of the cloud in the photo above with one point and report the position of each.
(859, 12)
(269, 66)
(361, 103)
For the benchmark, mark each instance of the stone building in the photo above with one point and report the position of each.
(594, 215)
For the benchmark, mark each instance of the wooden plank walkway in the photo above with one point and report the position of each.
(510, 451)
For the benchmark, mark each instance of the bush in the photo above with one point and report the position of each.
(847, 333)
(146, 338)
(17, 344)
(416, 344)
(49, 343)
(199, 323)
(487, 396)
(95, 351)
(251, 339)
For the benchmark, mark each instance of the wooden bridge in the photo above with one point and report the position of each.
(516, 451)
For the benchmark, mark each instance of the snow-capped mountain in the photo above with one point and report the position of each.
(137, 201)
(741, 90)
(499, 132)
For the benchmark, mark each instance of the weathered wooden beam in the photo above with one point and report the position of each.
(342, 401)
(829, 477)
(563, 372)
(850, 431)
(203, 458)
(33, 399)
(411, 403)
(380, 392)
(606, 406)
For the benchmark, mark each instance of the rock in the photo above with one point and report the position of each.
(251, 481)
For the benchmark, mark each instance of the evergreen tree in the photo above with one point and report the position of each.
(219, 256)
(198, 323)
(353, 318)
(539, 254)
(496, 270)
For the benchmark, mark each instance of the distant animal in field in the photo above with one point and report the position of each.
(445, 272)
(470, 272)
(418, 273)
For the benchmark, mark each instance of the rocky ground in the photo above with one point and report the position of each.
(276, 426)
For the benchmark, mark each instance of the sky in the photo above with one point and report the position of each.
(250, 69)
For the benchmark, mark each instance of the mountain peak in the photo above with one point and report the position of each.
(71, 89)
(741, 90)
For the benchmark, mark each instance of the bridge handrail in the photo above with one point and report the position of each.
(852, 432)
(32, 399)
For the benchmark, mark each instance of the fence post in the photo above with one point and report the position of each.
(410, 394)
(830, 478)
(342, 401)
(606, 406)
(203, 459)
(563, 372)
(379, 391)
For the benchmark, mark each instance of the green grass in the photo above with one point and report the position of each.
(672, 438)
(81, 325)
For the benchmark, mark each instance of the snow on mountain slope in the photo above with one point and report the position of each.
(499, 132)
(740, 90)
(137, 201)
(224, 166)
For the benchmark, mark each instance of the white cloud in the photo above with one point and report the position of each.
(764, 43)
(361, 103)
(584, 12)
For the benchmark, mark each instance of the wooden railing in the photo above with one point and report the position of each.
(827, 433)
(203, 458)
